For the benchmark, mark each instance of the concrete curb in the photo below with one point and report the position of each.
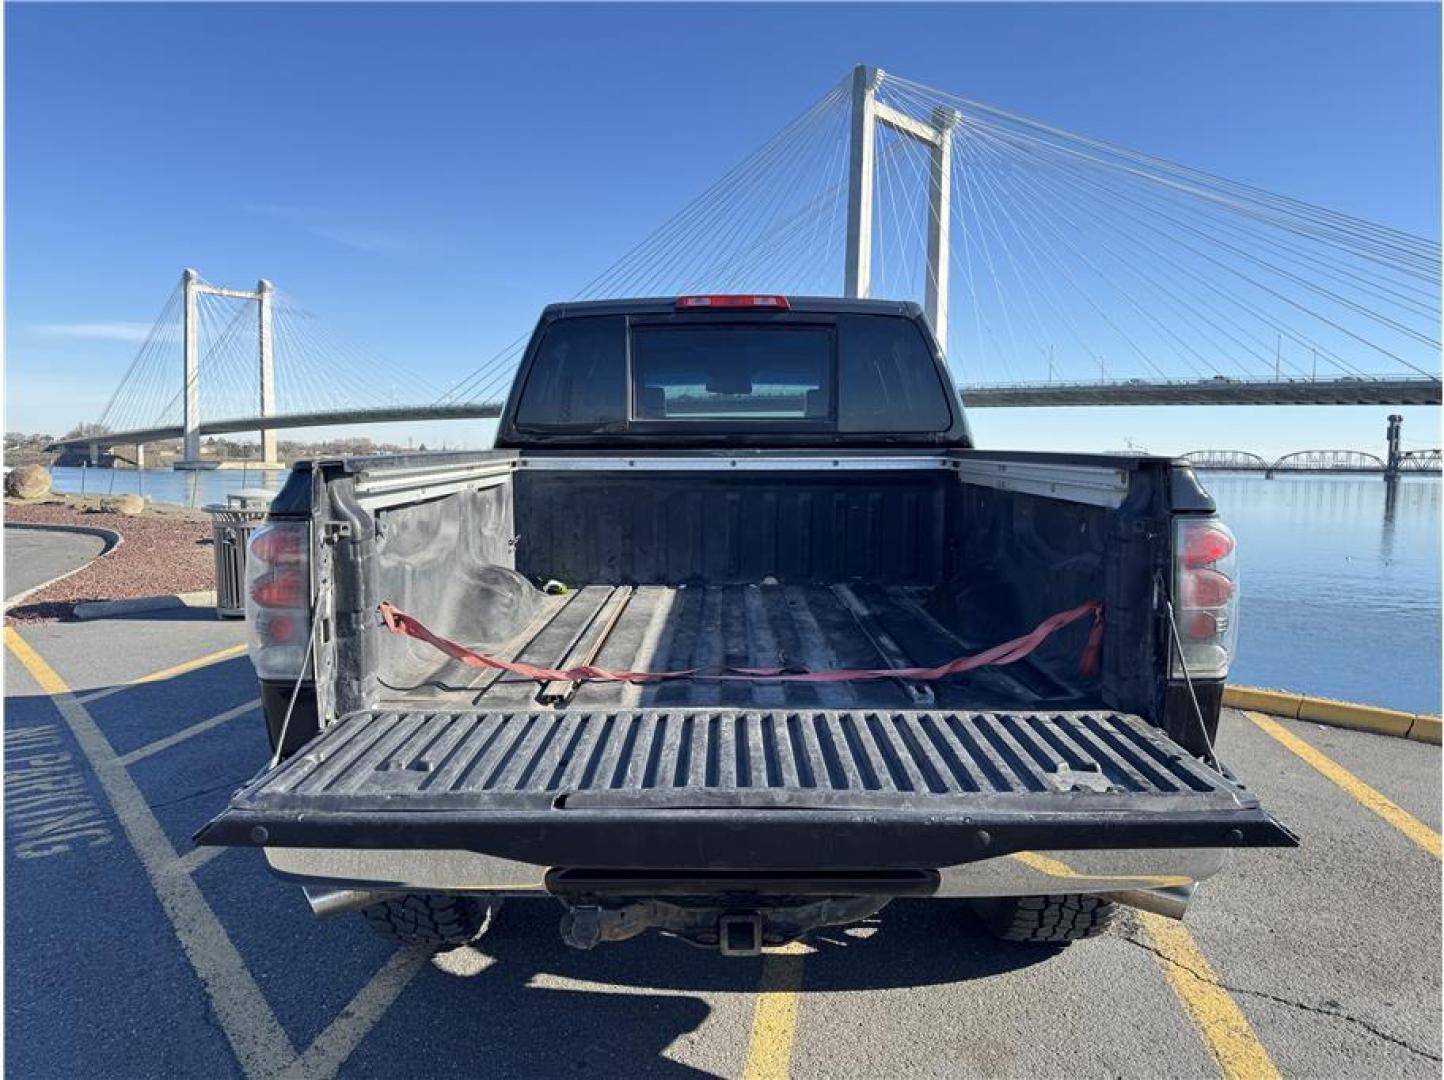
(1420, 727)
(112, 540)
(108, 609)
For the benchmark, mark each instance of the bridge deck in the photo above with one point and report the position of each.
(1377, 391)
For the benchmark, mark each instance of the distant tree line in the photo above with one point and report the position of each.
(22, 448)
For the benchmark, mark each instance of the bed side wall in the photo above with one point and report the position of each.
(451, 561)
(1020, 558)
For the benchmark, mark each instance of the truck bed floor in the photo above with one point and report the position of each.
(657, 627)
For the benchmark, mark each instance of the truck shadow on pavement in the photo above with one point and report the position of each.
(909, 943)
(616, 1010)
(529, 1004)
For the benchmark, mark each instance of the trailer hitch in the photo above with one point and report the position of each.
(713, 922)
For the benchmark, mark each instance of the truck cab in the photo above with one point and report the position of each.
(734, 635)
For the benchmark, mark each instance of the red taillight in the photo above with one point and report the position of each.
(1204, 589)
(282, 630)
(771, 302)
(1200, 626)
(1205, 546)
(280, 546)
(278, 598)
(280, 588)
(1205, 597)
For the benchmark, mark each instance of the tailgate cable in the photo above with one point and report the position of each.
(300, 678)
(1188, 681)
(398, 622)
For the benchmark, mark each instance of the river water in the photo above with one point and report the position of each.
(180, 488)
(1340, 574)
(1341, 585)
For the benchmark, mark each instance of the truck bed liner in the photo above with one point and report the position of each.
(641, 788)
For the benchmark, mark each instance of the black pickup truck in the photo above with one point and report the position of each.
(735, 635)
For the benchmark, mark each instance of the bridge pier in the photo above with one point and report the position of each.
(93, 453)
(1394, 457)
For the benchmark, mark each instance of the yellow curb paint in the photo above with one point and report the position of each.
(1427, 729)
(1359, 717)
(774, 1017)
(191, 665)
(1345, 714)
(1396, 816)
(1275, 702)
(1225, 1030)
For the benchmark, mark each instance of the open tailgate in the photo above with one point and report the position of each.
(657, 789)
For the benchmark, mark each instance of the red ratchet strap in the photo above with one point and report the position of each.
(398, 622)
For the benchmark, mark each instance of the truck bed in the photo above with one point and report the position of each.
(663, 628)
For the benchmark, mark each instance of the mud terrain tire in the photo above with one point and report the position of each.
(1053, 919)
(431, 918)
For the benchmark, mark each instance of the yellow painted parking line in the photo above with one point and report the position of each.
(774, 1016)
(1224, 1028)
(1045, 864)
(260, 1044)
(1395, 815)
(40, 671)
(165, 673)
(1220, 1022)
(190, 665)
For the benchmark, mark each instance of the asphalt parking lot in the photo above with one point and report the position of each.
(35, 556)
(130, 953)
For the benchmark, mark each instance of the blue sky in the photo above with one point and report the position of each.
(426, 178)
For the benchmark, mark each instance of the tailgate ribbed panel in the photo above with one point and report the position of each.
(504, 759)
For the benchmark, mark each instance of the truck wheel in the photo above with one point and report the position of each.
(431, 918)
(1051, 919)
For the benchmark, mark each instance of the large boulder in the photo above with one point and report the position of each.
(124, 504)
(28, 482)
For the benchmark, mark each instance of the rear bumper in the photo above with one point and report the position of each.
(1024, 873)
(643, 837)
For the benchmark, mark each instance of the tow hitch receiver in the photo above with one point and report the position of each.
(740, 935)
(711, 922)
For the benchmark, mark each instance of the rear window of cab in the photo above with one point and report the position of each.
(846, 373)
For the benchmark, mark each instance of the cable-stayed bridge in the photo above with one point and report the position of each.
(1056, 268)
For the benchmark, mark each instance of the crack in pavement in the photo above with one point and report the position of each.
(1301, 1005)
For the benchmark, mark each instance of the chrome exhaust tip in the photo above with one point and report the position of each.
(328, 902)
(1171, 902)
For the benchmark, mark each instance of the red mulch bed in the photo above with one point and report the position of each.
(162, 552)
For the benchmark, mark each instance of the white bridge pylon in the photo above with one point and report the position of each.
(936, 133)
(193, 287)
